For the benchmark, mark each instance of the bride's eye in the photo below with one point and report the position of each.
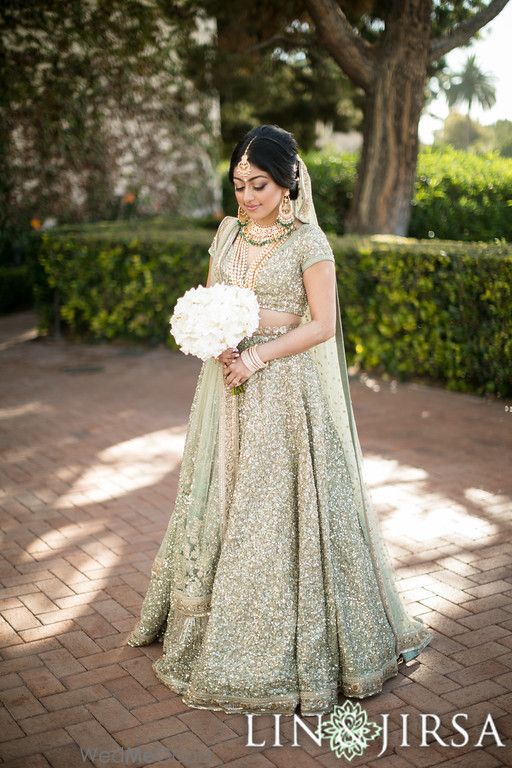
(258, 189)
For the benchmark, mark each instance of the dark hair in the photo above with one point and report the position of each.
(274, 150)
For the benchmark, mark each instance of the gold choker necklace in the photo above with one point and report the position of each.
(256, 234)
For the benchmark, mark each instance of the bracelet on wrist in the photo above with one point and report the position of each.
(255, 354)
(252, 360)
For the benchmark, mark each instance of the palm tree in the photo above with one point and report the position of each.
(469, 85)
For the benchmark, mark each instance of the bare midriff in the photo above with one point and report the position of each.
(273, 318)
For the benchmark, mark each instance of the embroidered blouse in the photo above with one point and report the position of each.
(279, 284)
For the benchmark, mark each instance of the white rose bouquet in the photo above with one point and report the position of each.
(206, 321)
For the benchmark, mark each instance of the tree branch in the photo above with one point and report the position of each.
(352, 53)
(460, 34)
(270, 41)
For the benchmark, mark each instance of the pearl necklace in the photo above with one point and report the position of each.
(244, 274)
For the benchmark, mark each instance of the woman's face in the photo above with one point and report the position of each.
(259, 194)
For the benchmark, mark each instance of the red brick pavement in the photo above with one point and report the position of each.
(91, 442)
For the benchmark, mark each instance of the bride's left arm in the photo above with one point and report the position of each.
(320, 284)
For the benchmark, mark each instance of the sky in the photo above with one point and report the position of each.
(493, 56)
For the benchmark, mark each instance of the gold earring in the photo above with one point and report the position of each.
(285, 215)
(243, 216)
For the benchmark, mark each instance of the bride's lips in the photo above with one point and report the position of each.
(252, 207)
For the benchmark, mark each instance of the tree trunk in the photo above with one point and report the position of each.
(393, 104)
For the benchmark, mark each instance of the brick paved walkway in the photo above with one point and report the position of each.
(91, 442)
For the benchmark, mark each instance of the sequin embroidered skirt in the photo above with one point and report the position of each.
(286, 610)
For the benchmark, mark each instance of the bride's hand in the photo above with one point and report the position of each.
(228, 355)
(236, 373)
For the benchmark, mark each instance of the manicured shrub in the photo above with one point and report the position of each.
(438, 310)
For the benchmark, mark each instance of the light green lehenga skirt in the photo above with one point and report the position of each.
(263, 590)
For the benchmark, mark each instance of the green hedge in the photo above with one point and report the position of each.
(110, 289)
(462, 196)
(410, 308)
(441, 311)
(458, 195)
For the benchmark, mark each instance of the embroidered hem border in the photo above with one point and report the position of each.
(310, 702)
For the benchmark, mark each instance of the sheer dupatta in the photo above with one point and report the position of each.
(207, 479)
(177, 602)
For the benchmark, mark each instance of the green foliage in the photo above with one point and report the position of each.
(439, 310)
(502, 130)
(118, 289)
(269, 63)
(462, 133)
(462, 196)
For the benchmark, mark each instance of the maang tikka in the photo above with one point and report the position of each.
(244, 169)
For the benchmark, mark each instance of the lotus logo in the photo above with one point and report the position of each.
(348, 730)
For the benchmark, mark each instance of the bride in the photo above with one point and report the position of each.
(272, 588)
